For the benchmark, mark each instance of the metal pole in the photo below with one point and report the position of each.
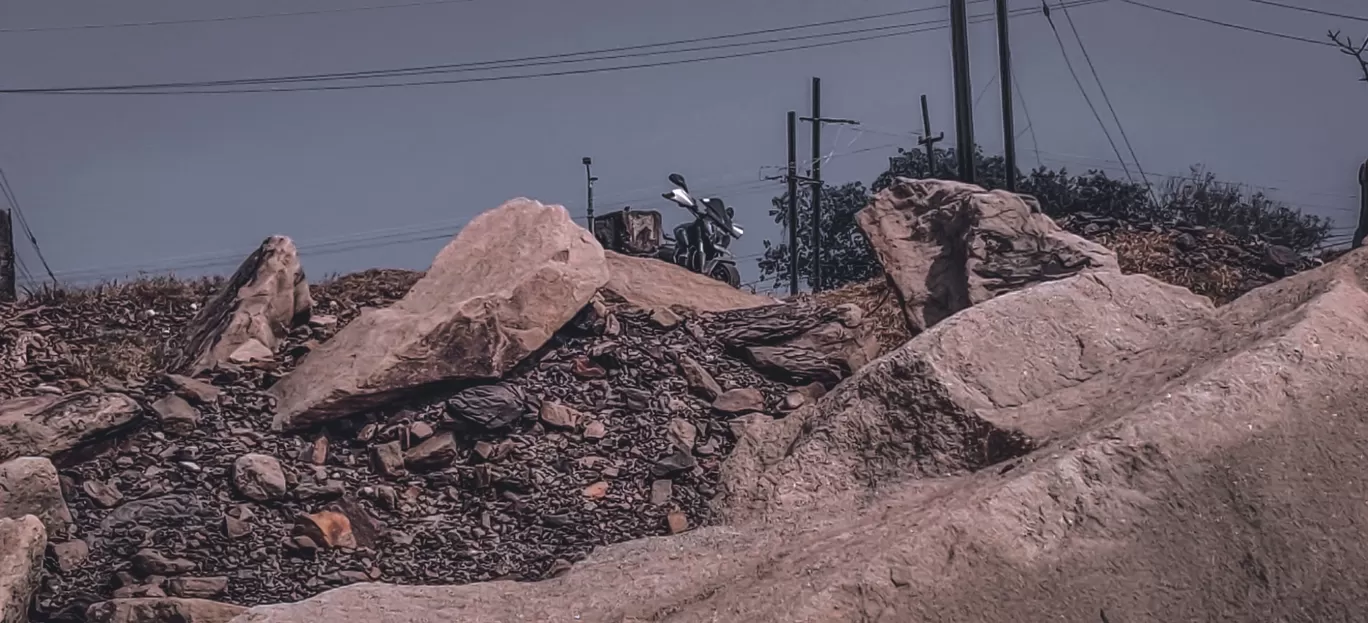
(590, 179)
(793, 201)
(8, 289)
(816, 184)
(1005, 79)
(964, 106)
(1362, 231)
(928, 140)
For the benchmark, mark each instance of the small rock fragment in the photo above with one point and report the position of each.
(421, 430)
(595, 431)
(435, 453)
(176, 415)
(389, 459)
(329, 528)
(678, 462)
(150, 562)
(259, 477)
(586, 369)
(661, 490)
(200, 588)
(682, 434)
(196, 391)
(70, 554)
(559, 415)
(700, 382)
(104, 495)
(596, 490)
(236, 528)
(677, 521)
(740, 401)
(318, 452)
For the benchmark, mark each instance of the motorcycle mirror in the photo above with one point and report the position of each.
(678, 180)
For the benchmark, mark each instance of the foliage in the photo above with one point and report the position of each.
(1199, 199)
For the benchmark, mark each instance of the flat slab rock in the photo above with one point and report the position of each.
(1255, 402)
(47, 425)
(649, 284)
(512, 278)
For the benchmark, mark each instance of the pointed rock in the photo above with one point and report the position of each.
(701, 383)
(252, 314)
(259, 477)
(22, 544)
(512, 277)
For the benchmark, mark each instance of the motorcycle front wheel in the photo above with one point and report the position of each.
(727, 274)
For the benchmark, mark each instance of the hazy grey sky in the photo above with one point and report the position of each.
(117, 183)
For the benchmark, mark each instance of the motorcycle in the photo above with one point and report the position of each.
(702, 245)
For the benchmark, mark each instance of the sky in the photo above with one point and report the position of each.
(113, 185)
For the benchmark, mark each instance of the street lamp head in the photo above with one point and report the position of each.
(587, 161)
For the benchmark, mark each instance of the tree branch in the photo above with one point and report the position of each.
(1359, 52)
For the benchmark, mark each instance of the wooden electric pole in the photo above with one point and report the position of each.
(8, 290)
(1362, 231)
(1005, 79)
(928, 141)
(792, 179)
(815, 180)
(589, 179)
(964, 98)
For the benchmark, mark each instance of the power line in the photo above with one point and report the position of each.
(235, 18)
(1229, 25)
(8, 192)
(1356, 18)
(1030, 125)
(1106, 99)
(518, 62)
(177, 88)
(1064, 51)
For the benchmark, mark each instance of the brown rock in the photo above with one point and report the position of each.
(946, 246)
(435, 453)
(586, 369)
(329, 528)
(740, 401)
(318, 451)
(595, 430)
(389, 459)
(794, 400)
(253, 312)
(701, 383)
(259, 477)
(29, 486)
(150, 562)
(677, 521)
(49, 425)
(682, 434)
(799, 341)
(510, 279)
(196, 391)
(70, 555)
(661, 490)
(484, 450)
(162, 610)
(176, 415)
(558, 415)
(421, 430)
(200, 588)
(105, 495)
(22, 542)
(596, 490)
(236, 528)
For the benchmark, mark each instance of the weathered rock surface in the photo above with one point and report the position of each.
(946, 246)
(1174, 463)
(510, 279)
(29, 486)
(253, 312)
(799, 342)
(22, 542)
(649, 284)
(176, 415)
(162, 610)
(259, 477)
(47, 425)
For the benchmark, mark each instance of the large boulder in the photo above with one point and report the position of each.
(510, 279)
(47, 425)
(29, 486)
(1173, 463)
(947, 245)
(22, 542)
(652, 285)
(252, 314)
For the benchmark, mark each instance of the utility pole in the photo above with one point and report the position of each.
(1005, 79)
(815, 179)
(964, 98)
(1362, 231)
(8, 290)
(590, 179)
(792, 178)
(928, 141)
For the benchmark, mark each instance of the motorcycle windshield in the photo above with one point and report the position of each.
(716, 211)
